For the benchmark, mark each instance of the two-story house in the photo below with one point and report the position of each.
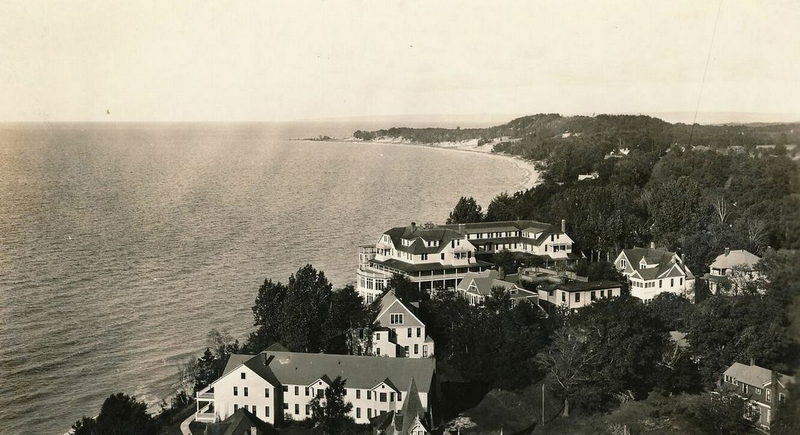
(277, 385)
(533, 237)
(477, 286)
(398, 332)
(578, 294)
(732, 271)
(651, 271)
(431, 257)
(764, 389)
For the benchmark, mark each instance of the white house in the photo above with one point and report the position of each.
(533, 237)
(574, 295)
(477, 286)
(275, 385)
(651, 271)
(410, 420)
(432, 257)
(734, 269)
(399, 332)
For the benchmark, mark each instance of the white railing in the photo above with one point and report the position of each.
(206, 417)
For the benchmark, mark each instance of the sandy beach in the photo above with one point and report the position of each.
(531, 174)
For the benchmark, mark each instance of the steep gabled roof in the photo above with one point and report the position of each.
(420, 236)
(412, 410)
(391, 305)
(665, 261)
(483, 282)
(242, 421)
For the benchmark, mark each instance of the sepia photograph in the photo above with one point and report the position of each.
(400, 217)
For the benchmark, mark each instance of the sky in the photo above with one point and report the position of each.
(279, 61)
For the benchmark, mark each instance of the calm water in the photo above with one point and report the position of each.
(122, 245)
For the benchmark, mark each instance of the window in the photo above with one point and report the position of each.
(285, 405)
(308, 409)
(593, 296)
(369, 413)
(409, 332)
(378, 351)
(660, 283)
(235, 407)
(377, 336)
(424, 257)
(297, 409)
(266, 392)
(383, 397)
(405, 350)
(369, 395)
(442, 255)
(321, 393)
(358, 412)
(563, 296)
(245, 391)
(391, 396)
(399, 396)
(577, 296)
(681, 281)
(243, 375)
(358, 394)
(254, 410)
(266, 411)
(235, 391)
(296, 390)
(623, 264)
(602, 293)
(396, 319)
(419, 332)
(416, 349)
(424, 351)
(769, 395)
(285, 388)
(306, 391)
(671, 282)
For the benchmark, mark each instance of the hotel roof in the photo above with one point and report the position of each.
(578, 286)
(502, 226)
(363, 372)
(733, 258)
(409, 267)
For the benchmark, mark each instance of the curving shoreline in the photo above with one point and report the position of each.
(528, 167)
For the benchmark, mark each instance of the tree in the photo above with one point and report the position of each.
(403, 288)
(466, 210)
(502, 208)
(307, 302)
(331, 413)
(120, 414)
(206, 370)
(671, 309)
(268, 315)
(569, 361)
(346, 316)
(722, 414)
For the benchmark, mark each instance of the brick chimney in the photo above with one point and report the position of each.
(652, 245)
(413, 226)
(727, 251)
(563, 226)
(462, 228)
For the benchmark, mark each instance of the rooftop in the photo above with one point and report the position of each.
(578, 286)
(755, 375)
(733, 258)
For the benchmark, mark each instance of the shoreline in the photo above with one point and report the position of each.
(531, 175)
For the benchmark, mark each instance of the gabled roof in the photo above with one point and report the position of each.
(499, 226)
(411, 411)
(391, 305)
(420, 236)
(665, 261)
(242, 421)
(364, 372)
(481, 283)
(733, 258)
(755, 375)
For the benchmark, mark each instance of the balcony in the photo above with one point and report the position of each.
(206, 417)
(205, 396)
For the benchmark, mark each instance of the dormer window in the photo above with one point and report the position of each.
(642, 264)
(396, 319)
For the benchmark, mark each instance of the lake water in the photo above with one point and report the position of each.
(122, 245)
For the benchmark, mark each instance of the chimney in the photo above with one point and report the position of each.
(461, 228)
(652, 245)
(413, 226)
(501, 272)
(752, 362)
(727, 251)
(563, 226)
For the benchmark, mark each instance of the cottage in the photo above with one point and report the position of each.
(398, 332)
(477, 286)
(577, 294)
(651, 271)
(762, 388)
(732, 271)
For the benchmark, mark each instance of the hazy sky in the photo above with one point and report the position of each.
(268, 60)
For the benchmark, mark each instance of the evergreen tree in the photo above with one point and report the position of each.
(331, 414)
(119, 415)
(466, 210)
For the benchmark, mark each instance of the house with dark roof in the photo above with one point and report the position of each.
(398, 332)
(732, 271)
(477, 286)
(431, 257)
(763, 389)
(651, 271)
(278, 385)
(411, 419)
(578, 294)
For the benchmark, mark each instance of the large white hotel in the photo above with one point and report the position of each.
(439, 256)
